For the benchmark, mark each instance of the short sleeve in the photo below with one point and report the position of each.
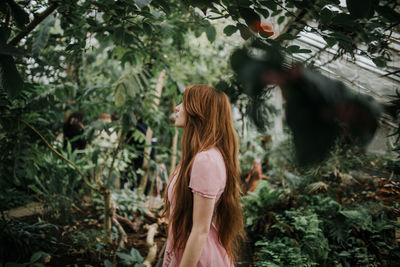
(208, 175)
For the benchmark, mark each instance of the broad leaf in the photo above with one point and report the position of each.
(136, 255)
(108, 263)
(37, 256)
(249, 16)
(120, 93)
(18, 13)
(281, 19)
(9, 50)
(388, 13)
(270, 4)
(10, 80)
(211, 33)
(147, 28)
(380, 62)
(125, 258)
(229, 30)
(286, 36)
(292, 49)
(359, 8)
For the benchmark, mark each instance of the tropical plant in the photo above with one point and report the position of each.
(315, 230)
(20, 240)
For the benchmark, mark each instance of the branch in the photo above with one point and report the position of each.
(36, 21)
(61, 156)
(161, 256)
(127, 222)
(152, 231)
(390, 73)
(116, 151)
(124, 236)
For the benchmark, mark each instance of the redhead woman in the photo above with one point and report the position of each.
(202, 198)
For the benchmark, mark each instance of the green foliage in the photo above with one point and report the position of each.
(130, 86)
(10, 79)
(37, 260)
(88, 243)
(250, 148)
(12, 198)
(129, 202)
(21, 157)
(58, 185)
(315, 230)
(360, 23)
(41, 35)
(130, 258)
(19, 240)
(260, 202)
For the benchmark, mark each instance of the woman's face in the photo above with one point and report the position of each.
(180, 116)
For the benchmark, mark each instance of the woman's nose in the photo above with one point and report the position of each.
(177, 108)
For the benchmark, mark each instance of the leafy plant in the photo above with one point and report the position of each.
(129, 202)
(19, 240)
(130, 258)
(37, 260)
(88, 243)
(259, 203)
(315, 230)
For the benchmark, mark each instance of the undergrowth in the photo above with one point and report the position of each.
(333, 214)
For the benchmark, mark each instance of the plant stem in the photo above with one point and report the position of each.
(64, 158)
(107, 213)
(36, 21)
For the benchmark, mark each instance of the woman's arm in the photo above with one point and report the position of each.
(203, 209)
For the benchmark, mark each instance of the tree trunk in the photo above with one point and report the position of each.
(149, 135)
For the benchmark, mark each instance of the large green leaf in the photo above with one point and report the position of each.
(326, 15)
(388, 13)
(292, 49)
(108, 263)
(359, 8)
(9, 50)
(211, 33)
(18, 13)
(249, 16)
(125, 258)
(3, 7)
(136, 255)
(229, 30)
(10, 80)
(281, 19)
(270, 4)
(344, 20)
(120, 93)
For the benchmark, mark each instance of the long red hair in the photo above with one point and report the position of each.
(208, 123)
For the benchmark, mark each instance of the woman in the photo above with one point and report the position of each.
(202, 199)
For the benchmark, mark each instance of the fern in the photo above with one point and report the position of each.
(42, 35)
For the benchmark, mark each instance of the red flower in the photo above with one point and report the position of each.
(262, 28)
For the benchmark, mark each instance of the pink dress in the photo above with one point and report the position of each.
(208, 178)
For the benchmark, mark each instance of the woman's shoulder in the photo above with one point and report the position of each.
(208, 174)
(211, 157)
